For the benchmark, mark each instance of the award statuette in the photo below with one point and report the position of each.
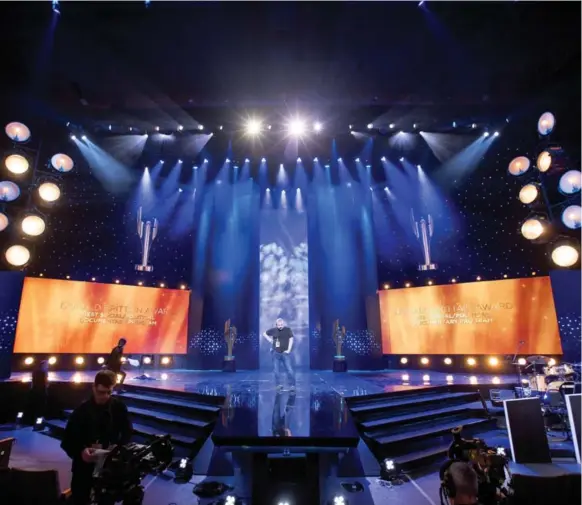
(339, 337)
(423, 231)
(147, 233)
(229, 364)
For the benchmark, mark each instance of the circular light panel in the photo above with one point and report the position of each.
(8, 191)
(62, 162)
(532, 229)
(519, 166)
(17, 164)
(49, 192)
(18, 132)
(544, 161)
(572, 217)
(33, 225)
(528, 194)
(4, 221)
(571, 182)
(17, 255)
(546, 123)
(565, 255)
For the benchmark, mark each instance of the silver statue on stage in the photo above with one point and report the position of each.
(423, 231)
(147, 233)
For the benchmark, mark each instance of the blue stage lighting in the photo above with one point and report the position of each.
(486, 134)
(247, 160)
(253, 127)
(180, 190)
(392, 125)
(220, 127)
(195, 167)
(496, 134)
(73, 137)
(383, 158)
(315, 159)
(298, 160)
(227, 160)
(402, 159)
(205, 160)
(146, 135)
(180, 128)
(162, 162)
(296, 127)
(84, 137)
(56, 6)
(473, 125)
(268, 190)
(370, 126)
(109, 127)
(179, 161)
(263, 160)
(201, 127)
(400, 132)
(415, 126)
(454, 124)
(357, 160)
(157, 128)
(339, 160)
(421, 3)
(317, 127)
(419, 167)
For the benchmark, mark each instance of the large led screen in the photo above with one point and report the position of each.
(59, 316)
(492, 317)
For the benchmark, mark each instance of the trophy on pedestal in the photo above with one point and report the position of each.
(423, 231)
(339, 337)
(229, 364)
(147, 232)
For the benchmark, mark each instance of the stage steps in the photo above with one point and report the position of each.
(188, 418)
(413, 427)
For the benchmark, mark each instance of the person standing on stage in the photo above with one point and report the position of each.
(114, 361)
(281, 339)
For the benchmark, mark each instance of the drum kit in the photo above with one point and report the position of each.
(541, 374)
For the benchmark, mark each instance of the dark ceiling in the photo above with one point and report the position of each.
(115, 61)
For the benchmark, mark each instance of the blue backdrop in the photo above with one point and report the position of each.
(10, 293)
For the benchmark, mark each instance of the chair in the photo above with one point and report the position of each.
(34, 487)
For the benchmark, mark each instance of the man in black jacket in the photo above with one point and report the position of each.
(99, 423)
(114, 360)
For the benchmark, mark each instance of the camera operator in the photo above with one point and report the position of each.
(459, 484)
(99, 423)
(114, 361)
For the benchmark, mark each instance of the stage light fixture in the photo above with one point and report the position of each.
(118, 378)
(401, 159)
(93, 279)
(140, 283)
(33, 226)
(473, 126)
(532, 228)
(8, 191)
(26, 378)
(100, 360)
(572, 217)
(478, 277)
(383, 158)
(473, 379)
(317, 127)
(182, 286)
(29, 361)
(429, 283)
(389, 469)
(253, 127)
(19, 415)
(165, 360)
(180, 128)
(450, 378)
(162, 285)
(565, 255)
(496, 134)
(164, 376)
(386, 286)
(77, 378)
(17, 132)
(407, 285)
(453, 281)
(471, 361)
(493, 361)
(392, 125)
(426, 378)
(4, 221)
(73, 137)
(339, 500)
(403, 361)
(62, 162)
(528, 194)
(546, 123)
(424, 361)
(486, 134)
(570, 182)
(79, 360)
(49, 192)
(147, 360)
(52, 360)
(552, 362)
(38, 424)
(17, 164)
(296, 127)
(84, 137)
(544, 161)
(157, 128)
(229, 500)
(116, 281)
(448, 361)
(496, 380)
(17, 255)
(370, 126)
(201, 127)
(522, 362)
(405, 377)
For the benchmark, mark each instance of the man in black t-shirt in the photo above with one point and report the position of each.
(114, 360)
(281, 339)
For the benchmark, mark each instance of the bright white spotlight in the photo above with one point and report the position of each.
(419, 167)
(315, 159)
(49, 192)
(201, 127)
(528, 194)
(73, 137)
(17, 255)
(570, 182)
(297, 127)
(17, 164)
(179, 161)
(298, 160)
(486, 134)
(84, 137)
(496, 134)
(17, 132)
(546, 123)
(33, 225)
(565, 255)
(101, 360)
(370, 126)
(383, 158)
(473, 126)
(263, 160)
(572, 217)
(253, 127)
(401, 159)
(532, 228)
(357, 160)
(392, 125)
(317, 127)
(339, 160)
(426, 378)
(180, 128)
(544, 161)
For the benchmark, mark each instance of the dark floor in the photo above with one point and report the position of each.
(317, 410)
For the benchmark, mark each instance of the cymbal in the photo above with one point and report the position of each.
(537, 360)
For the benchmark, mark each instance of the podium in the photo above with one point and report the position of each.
(340, 364)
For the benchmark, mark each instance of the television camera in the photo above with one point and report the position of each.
(491, 465)
(119, 478)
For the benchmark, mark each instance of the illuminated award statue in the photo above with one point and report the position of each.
(229, 364)
(339, 337)
(147, 233)
(423, 231)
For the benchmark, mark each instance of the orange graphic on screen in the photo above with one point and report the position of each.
(85, 317)
(474, 318)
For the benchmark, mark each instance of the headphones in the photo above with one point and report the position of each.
(448, 489)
